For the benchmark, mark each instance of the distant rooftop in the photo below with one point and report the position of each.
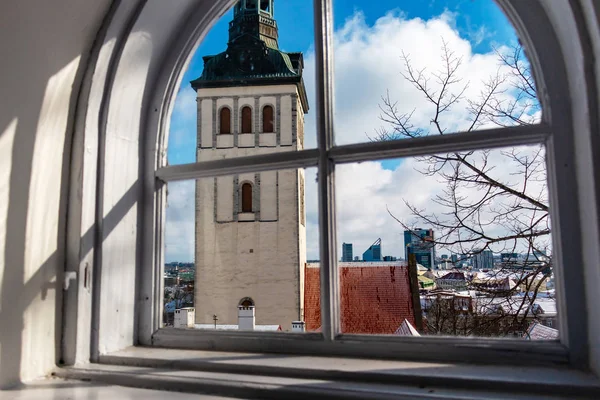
(227, 327)
(376, 297)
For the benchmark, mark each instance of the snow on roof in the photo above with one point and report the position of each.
(537, 331)
(454, 275)
(406, 329)
(514, 304)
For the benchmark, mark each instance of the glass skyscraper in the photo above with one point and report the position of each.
(420, 242)
(373, 253)
(347, 254)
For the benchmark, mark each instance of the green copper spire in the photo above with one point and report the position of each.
(253, 56)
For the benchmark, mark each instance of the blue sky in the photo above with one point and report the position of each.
(478, 23)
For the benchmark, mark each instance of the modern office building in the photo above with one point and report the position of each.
(420, 242)
(347, 254)
(373, 253)
(483, 259)
(510, 260)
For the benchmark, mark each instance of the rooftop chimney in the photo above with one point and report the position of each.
(298, 326)
(246, 318)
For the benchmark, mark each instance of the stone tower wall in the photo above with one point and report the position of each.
(259, 255)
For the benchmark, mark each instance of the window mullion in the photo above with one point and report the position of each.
(327, 238)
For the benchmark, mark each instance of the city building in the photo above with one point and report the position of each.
(373, 253)
(251, 100)
(483, 259)
(452, 281)
(347, 254)
(420, 242)
(509, 259)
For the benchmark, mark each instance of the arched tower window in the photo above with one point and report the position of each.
(246, 120)
(225, 120)
(246, 302)
(267, 119)
(246, 197)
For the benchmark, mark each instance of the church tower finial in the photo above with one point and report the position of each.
(256, 19)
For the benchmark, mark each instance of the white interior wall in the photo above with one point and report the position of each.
(44, 47)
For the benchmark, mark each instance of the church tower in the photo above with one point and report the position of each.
(250, 228)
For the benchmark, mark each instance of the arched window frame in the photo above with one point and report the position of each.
(220, 120)
(536, 23)
(262, 118)
(246, 120)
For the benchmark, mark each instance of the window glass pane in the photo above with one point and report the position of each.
(408, 69)
(271, 78)
(449, 244)
(236, 251)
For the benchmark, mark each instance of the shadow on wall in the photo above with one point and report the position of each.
(40, 82)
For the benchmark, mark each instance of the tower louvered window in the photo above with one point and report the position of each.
(225, 120)
(268, 119)
(246, 120)
(246, 197)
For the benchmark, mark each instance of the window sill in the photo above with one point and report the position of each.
(224, 141)
(268, 139)
(257, 375)
(246, 140)
(246, 217)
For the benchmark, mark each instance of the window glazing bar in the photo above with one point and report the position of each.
(326, 172)
(230, 166)
(485, 139)
(428, 145)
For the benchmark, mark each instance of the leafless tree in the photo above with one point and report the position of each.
(491, 199)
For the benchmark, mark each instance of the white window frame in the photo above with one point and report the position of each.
(556, 131)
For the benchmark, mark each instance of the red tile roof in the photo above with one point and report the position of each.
(375, 299)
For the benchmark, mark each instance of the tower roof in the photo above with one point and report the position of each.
(253, 56)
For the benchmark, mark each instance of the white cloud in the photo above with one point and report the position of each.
(368, 64)
(185, 105)
(180, 221)
(365, 191)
